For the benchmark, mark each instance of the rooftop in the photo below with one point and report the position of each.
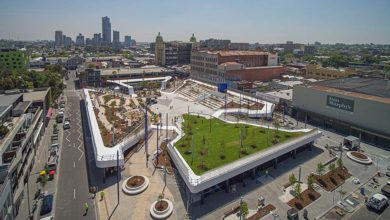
(6, 100)
(369, 86)
(35, 95)
(236, 52)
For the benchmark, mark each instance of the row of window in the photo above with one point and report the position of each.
(209, 59)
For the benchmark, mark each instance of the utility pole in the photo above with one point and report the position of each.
(157, 145)
(146, 132)
(117, 173)
(166, 128)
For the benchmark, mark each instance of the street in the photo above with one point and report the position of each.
(73, 184)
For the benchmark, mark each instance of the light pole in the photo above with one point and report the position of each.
(241, 207)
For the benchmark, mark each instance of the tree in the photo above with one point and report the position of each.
(332, 167)
(292, 179)
(310, 182)
(320, 168)
(298, 190)
(43, 180)
(244, 211)
(339, 163)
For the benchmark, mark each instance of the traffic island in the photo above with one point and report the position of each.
(135, 185)
(359, 157)
(161, 209)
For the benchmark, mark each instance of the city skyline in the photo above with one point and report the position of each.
(261, 21)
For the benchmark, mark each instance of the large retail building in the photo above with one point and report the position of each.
(352, 106)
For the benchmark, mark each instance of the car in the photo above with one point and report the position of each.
(59, 118)
(66, 124)
(377, 202)
(47, 205)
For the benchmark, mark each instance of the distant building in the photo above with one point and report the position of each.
(317, 43)
(133, 43)
(239, 46)
(67, 41)
(172, 53)
(289, 46)
(215, 44)
(319, 72)
(58, 39)
(97, 39)
(88, 41)
(115, 39)
(234, 66)
(309, 50)
(106, 30)
(80, 40)
(127, 42)
(13, 59)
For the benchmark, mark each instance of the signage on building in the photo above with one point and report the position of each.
(222, 87)
(340, 103)
(267, 97)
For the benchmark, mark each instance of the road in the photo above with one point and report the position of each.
(363, 213)
(73, 183)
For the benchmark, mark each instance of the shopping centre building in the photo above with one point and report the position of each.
(352, 106)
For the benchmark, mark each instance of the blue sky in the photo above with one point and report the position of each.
(263, 21)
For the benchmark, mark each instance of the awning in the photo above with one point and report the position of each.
(42, 173)
(49, 113)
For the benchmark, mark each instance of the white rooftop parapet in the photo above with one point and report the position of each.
(106, 156)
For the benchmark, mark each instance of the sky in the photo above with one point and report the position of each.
(263, 21)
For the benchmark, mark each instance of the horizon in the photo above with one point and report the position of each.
(348, 22)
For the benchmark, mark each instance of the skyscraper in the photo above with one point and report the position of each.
(115, 36)
(127, 41)
(106, 29)
(58, 39)
(80, 40)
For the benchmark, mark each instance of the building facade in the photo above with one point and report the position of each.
(319, 72)
(58, 39)
(352, 106)
(106, 30)
(215, 44)
(115, 39)
(13, 59)
(230, 66)
(127, 42)
(80, 40)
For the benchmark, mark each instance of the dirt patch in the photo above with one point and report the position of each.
(262, 212)
(307, 197)
(163, 157)
(359, 155)
(161, 205)
(331, 180)
(244, 104)
(135, 181)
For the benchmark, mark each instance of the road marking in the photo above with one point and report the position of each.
(74, 145)
(74, 193)
(74, 164)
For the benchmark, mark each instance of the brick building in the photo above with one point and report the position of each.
(232, 66)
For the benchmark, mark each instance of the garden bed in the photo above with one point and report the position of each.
(135, 181)
(359, 155)
(161, 205)
(308, 196)
(262, 212)
(331, 180)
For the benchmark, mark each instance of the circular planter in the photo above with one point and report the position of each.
(359, 157)
(135, 184)
(161, 209)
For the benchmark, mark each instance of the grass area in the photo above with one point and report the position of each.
(222, 145)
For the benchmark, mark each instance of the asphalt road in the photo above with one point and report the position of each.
(73, 184)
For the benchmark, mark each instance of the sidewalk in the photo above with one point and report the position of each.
(41, 156)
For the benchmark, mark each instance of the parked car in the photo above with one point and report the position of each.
(67, 123)
(377, 202)
(47, 205)
(59, 118)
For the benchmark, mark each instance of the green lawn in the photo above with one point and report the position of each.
(222, 144)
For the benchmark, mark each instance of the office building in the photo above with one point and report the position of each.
(13, 59)
(106, 30)
(67, 41)
(215, 44)
(239, 46)
(88, 41)
(58, 39)
(133, 43)
(357, 106)
(289, 46)
(97, 39)
(172, 53)
(80, 40)
(127, 42)
(234, 66)
(309, 50)
(115, 39)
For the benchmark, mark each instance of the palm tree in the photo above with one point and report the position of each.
(310, 182)
(320, 168)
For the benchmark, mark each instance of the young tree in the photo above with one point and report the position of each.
(310, 182)
(332, 167)
(298, 190)
(244, 209)
(340, 163)
(222, 151)
(43, 180)
(292, 179)
(320, 168)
